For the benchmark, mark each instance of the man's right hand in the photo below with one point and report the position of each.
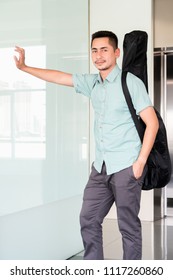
(20, 61)
(53, 76)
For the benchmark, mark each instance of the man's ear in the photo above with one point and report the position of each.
(117, 53)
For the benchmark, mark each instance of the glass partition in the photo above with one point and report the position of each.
(44, 128)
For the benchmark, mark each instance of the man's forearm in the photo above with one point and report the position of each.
(148, 142)
(53, 76)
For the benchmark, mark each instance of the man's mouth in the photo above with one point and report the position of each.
(99, 61)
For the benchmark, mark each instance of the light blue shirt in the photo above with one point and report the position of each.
(116, 138)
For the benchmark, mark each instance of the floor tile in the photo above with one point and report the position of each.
(157, 240)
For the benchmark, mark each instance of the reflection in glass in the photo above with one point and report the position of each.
(5, 126)
(44, 128)
(22, 104)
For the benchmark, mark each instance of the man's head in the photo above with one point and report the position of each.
(104, 51)
(113, 40)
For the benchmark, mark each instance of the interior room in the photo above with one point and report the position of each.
(46, 131)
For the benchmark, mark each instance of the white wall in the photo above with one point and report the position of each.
(122, 17)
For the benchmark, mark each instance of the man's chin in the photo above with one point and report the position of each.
(101, 68)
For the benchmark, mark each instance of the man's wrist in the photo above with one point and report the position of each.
(142, 159)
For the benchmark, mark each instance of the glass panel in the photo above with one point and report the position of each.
(5, 118)
(30, 124)
(43, 127)
(5, 127)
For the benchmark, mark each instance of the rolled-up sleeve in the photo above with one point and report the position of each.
(138, 92)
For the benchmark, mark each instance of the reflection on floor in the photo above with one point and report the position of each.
(157, 240)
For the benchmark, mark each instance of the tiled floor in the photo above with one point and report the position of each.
(157, 240)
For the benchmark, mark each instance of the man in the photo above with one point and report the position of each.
(119, 167)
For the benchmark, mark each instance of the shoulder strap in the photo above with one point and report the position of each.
(139, 127)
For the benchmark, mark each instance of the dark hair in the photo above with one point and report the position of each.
(113, 40)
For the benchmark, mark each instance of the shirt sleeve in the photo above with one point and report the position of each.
(84, 83)
(138, 92)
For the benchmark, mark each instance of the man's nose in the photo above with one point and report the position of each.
(98, 54)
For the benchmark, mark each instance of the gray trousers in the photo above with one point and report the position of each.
(101, 192)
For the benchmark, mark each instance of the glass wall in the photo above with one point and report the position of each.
(44, 130)
(43, 127)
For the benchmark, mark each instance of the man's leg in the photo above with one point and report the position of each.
(98, 199)
(127, 192)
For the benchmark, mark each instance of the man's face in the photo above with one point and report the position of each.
(103, 54)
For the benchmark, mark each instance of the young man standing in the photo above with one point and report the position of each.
(119, 167)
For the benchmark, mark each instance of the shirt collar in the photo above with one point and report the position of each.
(112, 75)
